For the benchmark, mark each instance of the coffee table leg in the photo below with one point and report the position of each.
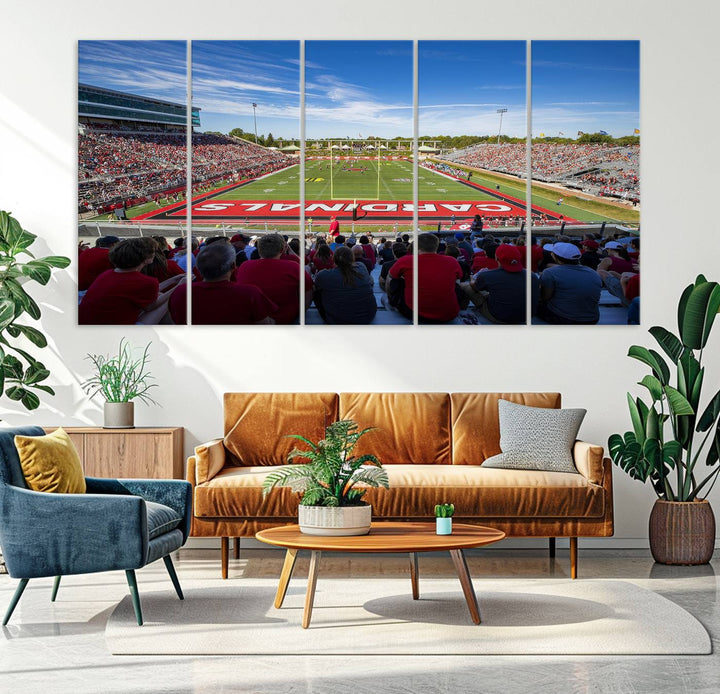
(414, 575)
(287, 569)
(464, 575)
(312, 582)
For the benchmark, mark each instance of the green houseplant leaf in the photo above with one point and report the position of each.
(650, 451)
(699, 314)
(331, 473)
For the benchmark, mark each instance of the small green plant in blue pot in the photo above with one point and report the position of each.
(443, 518)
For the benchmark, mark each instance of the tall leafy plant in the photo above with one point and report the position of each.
(20, 372)
(332, 473)
(672, 435)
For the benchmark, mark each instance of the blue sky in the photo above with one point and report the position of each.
(155, 69)
(229, 76)
(462, 84)
(358, 88)
(365, 87)
(585, 85)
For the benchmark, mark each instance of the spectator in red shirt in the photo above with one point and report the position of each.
(218, 300)
(322, 257)
(334, 228)
(438, 274)
(124, 295)
(369, 249)
(485, 260)
(161, 268)
(277, 278)
(94, 261)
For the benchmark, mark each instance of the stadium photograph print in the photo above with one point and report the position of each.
(132, 159)
(358, 180)
(443, 205)
(246, 186)
(471, 262)
(585, 181)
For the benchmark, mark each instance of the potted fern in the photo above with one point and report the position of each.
(120, 379)
(332, 500)
(675, 442)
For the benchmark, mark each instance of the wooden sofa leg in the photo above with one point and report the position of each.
(236, 553)
(224, 552)
(551, 547)
(573, 557)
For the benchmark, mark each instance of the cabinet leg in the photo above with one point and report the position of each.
(236, 554)
(551, 547)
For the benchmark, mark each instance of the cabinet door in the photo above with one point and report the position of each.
(140, 455)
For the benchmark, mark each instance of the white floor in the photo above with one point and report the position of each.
(60, 647)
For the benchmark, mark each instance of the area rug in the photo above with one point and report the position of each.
(378, 616)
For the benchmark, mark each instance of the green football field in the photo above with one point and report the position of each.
(359, 180)
(395, 183)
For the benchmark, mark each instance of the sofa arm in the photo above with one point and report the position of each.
(589, 461)
(45, 534)
(209, 460)
(177, 494)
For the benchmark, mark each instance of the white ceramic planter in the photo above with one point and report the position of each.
(119, 415)
(443, 526)
(335, 520)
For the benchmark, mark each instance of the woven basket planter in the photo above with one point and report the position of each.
(682, 532)
(335, 520)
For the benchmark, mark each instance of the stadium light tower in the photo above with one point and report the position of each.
(255, 120)
(500, 111)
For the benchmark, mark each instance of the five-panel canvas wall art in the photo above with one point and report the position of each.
(464, 183)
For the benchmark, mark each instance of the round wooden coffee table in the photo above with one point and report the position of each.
(384, 538)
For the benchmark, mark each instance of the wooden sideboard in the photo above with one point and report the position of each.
(143, 452)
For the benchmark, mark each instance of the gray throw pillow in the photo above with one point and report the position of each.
(536, 438)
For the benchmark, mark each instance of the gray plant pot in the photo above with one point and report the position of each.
(119, 415)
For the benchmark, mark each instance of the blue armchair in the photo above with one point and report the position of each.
(117, 524)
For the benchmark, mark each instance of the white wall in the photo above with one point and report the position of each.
(680, 55)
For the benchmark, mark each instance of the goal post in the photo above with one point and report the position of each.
(350, 175)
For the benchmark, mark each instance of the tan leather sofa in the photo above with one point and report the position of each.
(433, 446)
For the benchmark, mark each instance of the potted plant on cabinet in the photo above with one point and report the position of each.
(121, 379)
(331, 502)
(669, 441)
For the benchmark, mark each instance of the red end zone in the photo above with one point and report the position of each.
(375, 210)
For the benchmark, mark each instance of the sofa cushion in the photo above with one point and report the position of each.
(476, 491)
(411, 427)
(476, 422)
(161, 519)
(536, 438)
(257, 424)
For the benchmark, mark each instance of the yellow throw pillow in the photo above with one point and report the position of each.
(51, 463)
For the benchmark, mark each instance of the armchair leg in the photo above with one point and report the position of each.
(573, 557)
(551, 547)
(56, 585)
(173, 576)
(132, 582)
(15, 599)
(236, 553)
(224, 558)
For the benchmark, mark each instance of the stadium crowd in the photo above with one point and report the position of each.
(579, 165)
(130, 166)
(244, 280)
